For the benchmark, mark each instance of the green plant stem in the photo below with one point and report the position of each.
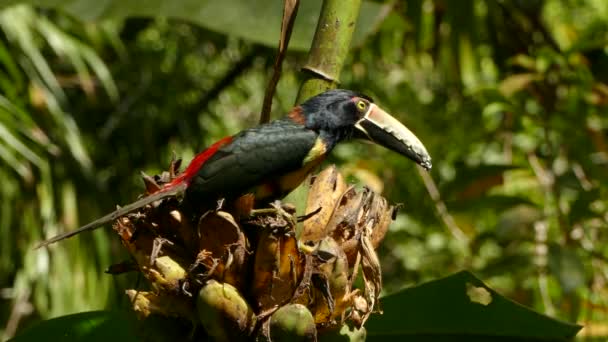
(329, 47)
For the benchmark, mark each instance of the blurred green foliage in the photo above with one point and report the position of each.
(510, 98)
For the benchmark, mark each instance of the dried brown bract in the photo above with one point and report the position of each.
(240, 272)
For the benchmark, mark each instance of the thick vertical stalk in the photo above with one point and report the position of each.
(329, 46)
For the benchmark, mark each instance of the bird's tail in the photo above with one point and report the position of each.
(163, 193)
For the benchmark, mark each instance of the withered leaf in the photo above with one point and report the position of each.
(325, 192)
(278, 267)
(225, 245)
(332, 286)
(372, 275)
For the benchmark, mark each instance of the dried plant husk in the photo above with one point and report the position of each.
(241, 272)
(360, 310)
(164, 272)
(140, 245)
(372, 278)
(223, 247)
(356, 212)
(358, 223)
(331, 282)
(343, 222)
(278, 267)
(243, 207)
(181, 229)
(224, 313)
(326, 189)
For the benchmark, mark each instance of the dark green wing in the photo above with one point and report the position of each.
(253, 157)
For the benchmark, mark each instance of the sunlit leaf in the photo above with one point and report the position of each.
(16, 23)
(257, 21)
(9, 139)
(80, 56)
(516, 83)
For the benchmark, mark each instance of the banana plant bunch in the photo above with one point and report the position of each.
(239, 273)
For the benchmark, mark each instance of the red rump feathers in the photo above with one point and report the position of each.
(198, 162)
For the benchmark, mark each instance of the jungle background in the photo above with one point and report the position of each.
(509, 97)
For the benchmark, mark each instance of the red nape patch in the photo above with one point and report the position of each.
(198, 162)
(297, 115)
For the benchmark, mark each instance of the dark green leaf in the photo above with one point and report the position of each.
(461, 308)
(115, 326)
(580, 208)
(87, 326)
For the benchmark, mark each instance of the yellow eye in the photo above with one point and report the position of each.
(361, 105)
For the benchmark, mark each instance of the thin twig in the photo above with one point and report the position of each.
(545, 178)
(21, 308)
(541, 250)
(442, 210)
(290, 11)
(579, 172)
(543, 287)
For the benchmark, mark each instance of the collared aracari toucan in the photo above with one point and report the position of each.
(272, 159)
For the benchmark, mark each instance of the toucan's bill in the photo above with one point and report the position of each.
(383, 129)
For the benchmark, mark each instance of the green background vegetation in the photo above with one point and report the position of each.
(509, 97)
